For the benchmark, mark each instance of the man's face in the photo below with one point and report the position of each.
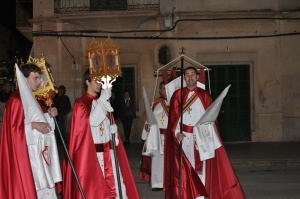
(94, 87)
(126, 95)
(60, 92)
(162, 91)
(190, 78)
(7, 88)
(34, 80)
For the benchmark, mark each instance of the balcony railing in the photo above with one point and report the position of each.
(66, 6)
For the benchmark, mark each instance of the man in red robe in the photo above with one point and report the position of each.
(216, 172)
(21, 174)
(91, 150)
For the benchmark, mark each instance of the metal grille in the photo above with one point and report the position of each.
(65, 6)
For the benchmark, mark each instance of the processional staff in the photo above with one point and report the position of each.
(181, 122)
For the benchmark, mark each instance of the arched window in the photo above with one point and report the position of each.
(164, 55)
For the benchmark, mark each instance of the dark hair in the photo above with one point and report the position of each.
(63, 88)
(192, 68)
(126, 91)
(26, 69)
(7, 82)
(161, 83)
(86, 76)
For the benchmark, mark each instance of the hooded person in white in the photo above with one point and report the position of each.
(153, 134)
(40, 138)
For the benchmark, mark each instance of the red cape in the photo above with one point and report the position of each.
(16, 179)
(145, 170)
(83, 154)
(221, 180)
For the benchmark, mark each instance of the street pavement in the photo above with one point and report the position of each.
(270, 182)
(243, 155)
(247, 158)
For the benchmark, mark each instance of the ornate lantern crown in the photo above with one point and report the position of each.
(104, 61)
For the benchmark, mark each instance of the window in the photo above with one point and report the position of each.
(164, 55)
(98, 5)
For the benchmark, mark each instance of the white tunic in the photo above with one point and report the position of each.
(44, 159)
(100, 132)
(155, 145)
(190, 118)
(204, 136)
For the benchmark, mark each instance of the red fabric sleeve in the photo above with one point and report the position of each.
(165, 76)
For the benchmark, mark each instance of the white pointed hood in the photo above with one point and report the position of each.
(149, 113)
(32, 110)
(213, 110)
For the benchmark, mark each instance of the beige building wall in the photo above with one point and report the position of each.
(270, 46)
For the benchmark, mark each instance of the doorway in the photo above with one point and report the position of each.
(234, 117)
(126, 81)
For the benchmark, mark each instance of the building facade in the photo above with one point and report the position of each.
(252, 45)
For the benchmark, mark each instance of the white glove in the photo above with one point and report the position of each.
(113, 128)
(105, 94)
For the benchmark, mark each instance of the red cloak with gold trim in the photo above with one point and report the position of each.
(83, 154)
(221, 180)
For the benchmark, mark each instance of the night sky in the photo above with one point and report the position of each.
(8, 14)
(8, 20)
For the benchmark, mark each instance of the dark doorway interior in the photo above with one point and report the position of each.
(234, 116)
(127, 81)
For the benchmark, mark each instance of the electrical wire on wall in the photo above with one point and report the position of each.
(103, 33)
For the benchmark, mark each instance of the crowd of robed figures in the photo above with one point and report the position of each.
(28, 151)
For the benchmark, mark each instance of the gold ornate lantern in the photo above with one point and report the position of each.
(104, 61)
